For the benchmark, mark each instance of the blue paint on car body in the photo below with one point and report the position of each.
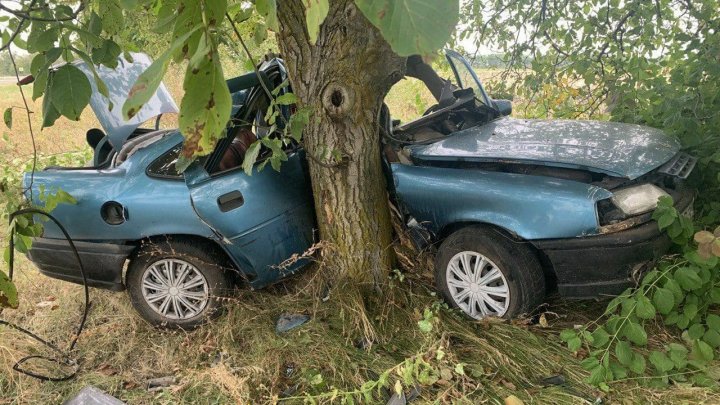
(523, 205)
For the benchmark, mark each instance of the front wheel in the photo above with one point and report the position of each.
(483, 272)
(176, 284)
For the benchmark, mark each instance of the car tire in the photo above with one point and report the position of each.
(185, 297)
(509, 283)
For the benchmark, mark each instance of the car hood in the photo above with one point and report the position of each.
(617, 149)
(119, 81)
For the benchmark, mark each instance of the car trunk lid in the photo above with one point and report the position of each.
(119, 81)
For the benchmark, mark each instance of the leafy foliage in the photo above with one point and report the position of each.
(25, 227)
(681, 292)
(93, 32)
(412, 26)
(645, 62)
(652, 63)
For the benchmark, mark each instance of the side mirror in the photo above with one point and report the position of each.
(504, 107)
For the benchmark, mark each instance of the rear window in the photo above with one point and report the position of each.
(164, 166)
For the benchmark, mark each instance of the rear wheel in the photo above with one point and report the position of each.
(484, 273)
(176, 284)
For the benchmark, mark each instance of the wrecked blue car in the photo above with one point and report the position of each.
(515, 208)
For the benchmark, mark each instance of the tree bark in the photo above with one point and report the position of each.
(343, 79)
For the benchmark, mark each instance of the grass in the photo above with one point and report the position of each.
(239, 358)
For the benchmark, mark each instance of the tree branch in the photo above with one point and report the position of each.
(25, 14)
(18, 30)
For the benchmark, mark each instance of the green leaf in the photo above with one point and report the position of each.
(41, 41)
(425, 325)
(298, 122)
(148, 82)
(574, 344)
(635, 333)
(619, 372)
(260, 34)
(600, 337)
(678, 354)
(412, 27)
(597, 375)
(665, 220)
(268, 9)
(690, 310)
(661, 361)
(696, 331)
(250, 157)
(702, 380)
(664, 300)
(166, 17)
(8, 292)
(286, 99)
(189, 17)
(644, 308)
(688, 278)
(106, 54)
(623, 352)
(112, 17)
(715, 294)
(713, 322)
(95, 24)
(315, 13)
(7, 117)
(702, 352)
(675, 288)
(99, 84)
(206, 105)
(682, 321)
(712, 338)
(70, 91)
(567, 334)
(637, 365)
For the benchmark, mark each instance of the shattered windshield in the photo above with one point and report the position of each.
(466, 77)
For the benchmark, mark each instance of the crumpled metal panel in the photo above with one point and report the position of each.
(617, 149)
(533, 207)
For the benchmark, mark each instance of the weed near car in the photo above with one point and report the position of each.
(240, 358)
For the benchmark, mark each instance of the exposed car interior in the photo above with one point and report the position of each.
(247, 125)
(456, 109)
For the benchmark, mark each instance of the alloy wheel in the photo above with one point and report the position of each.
(175, 289)
(477, 285)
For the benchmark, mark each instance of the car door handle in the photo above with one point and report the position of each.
(230, 201)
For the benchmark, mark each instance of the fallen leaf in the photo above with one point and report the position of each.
(47, 304)
(543, 321)
(106, 369)
(508, 385)
(513, 400)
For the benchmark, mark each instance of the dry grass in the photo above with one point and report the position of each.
(240, 359)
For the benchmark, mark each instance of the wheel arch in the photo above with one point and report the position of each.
(543, 259)
(233, 267)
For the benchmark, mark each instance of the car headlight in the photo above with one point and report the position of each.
(637, 200)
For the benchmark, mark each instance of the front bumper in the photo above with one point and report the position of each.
(103, 262)
(606, 264)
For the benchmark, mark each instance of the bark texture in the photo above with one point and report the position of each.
(343, 79)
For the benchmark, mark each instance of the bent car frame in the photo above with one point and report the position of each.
(515, 207)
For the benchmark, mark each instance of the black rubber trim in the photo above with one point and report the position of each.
(103, 261)
(599, 265)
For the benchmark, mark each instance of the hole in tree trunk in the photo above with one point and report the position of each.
(336, 98)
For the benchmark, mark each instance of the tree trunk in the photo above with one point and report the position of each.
(343, 79)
